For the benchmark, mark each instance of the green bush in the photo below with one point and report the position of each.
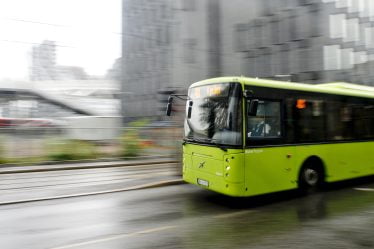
(2, 157)
(62, 150)
(130, 144)
(130, 140)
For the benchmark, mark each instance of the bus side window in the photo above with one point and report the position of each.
(340, 120)
(363, 122)
(266, 124)
(309, 116)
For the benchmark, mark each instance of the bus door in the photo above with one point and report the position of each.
(269, 163)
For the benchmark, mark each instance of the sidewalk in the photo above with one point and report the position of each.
(24, 184)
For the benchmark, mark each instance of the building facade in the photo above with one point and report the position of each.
(170, 44)
(146, 54)
(43, 61)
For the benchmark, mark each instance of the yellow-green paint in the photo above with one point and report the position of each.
(254, 171)
(331, 88)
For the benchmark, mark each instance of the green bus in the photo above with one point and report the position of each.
(249, 136)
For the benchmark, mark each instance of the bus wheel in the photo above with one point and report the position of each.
(311, 178)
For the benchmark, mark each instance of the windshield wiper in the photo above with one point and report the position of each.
(221, 146)
(205, 141)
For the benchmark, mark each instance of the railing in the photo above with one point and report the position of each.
(25, 144)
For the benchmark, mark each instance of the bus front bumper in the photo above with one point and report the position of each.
(214, 182)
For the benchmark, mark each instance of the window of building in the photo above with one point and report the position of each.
(353, 30)
(266, 62)
(361, 57)
(337, 26)
(341, 3)
(190, 50)
(188, 5)
(364, 8)
(304, 59)
(267, 122)
(258, 31)
(347, 56)
(276, 63)
(353, 5)
(241, 37)
(314, 14)
(274, 29)
(266, 33)
(251, 34)
(368, 37)
(332, 57)
(370, 7)
(285, 28)
(294, 34)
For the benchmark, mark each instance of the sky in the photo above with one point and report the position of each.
(87, 34)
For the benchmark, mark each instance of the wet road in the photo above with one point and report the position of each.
(186, 216)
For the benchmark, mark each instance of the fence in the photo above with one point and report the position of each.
(27, 144)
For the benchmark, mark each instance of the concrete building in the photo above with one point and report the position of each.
(147, 52)
(44, 66)
(43, 61)
(310, 41)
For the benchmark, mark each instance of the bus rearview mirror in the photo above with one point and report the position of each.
(252, 107)
(169, 106)
(189, 112)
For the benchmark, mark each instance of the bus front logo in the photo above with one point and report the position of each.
(201, 165)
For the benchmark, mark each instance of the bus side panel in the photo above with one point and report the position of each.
(341, 161)
(275, 169)
(270, 169)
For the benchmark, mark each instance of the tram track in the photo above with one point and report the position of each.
(62, 183)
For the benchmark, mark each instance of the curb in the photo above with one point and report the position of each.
(138, 187)
(85, 167)
(98, 160)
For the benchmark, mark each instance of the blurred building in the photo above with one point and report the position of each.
(92, 97)
(147, 51)
(27, 107)
(43, 61)
(114, 73)
(311, 40)
(44, 66)
(70, 73)
(170, 44)
(97, 97)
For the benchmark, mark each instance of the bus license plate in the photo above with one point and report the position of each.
(202, 182)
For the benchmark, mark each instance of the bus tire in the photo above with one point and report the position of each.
(312, 176)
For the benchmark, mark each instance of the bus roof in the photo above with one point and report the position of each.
(339, 88)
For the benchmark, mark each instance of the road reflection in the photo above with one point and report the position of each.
(281, 219)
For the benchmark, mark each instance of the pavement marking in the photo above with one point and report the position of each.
(90, 242)
(364, 189)
(138, 187)
(233, 214)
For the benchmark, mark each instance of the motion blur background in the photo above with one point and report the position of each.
(90, 79)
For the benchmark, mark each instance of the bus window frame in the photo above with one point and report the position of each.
(287, 116)
(265, 141)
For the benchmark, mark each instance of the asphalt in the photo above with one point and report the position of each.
(186, 217)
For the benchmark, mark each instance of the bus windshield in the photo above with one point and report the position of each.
(214, 114)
